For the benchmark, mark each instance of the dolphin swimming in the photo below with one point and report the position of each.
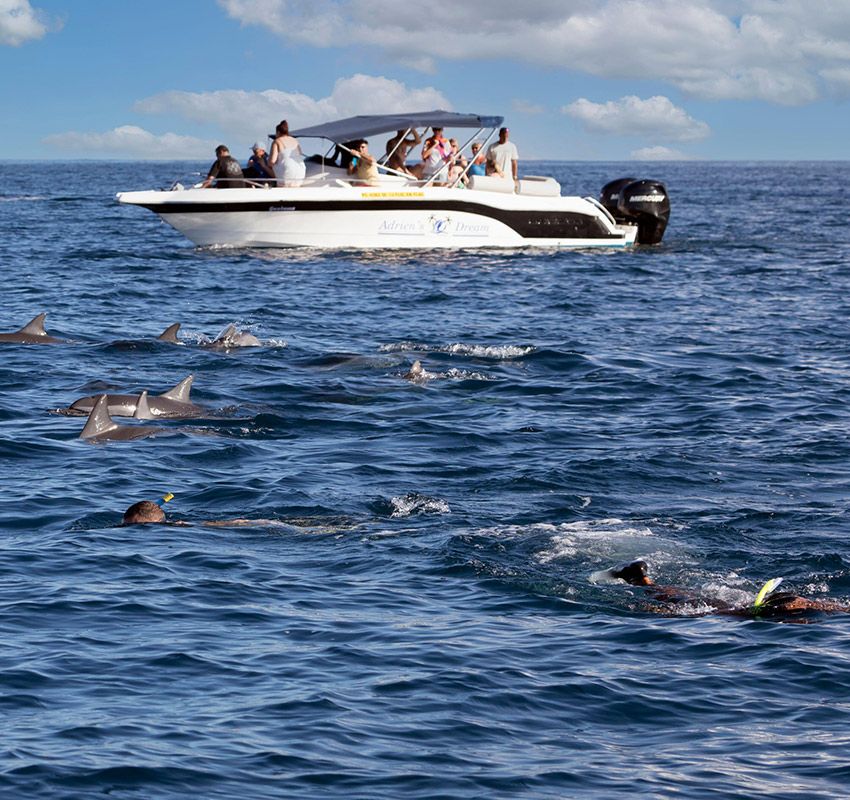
(231, 336)
(100, 427)
(32, 333)
(417, 373)
(170, 334)
(173, 404)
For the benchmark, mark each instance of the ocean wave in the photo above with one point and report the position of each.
(494, 352)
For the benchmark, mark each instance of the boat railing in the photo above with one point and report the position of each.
(602, 208)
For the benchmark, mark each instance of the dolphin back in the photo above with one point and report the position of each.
(180, 392)
(35, 327)
(170, 334)
(143, 410)
(99, 421)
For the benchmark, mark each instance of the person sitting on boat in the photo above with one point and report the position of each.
(258, 170)
(286, 158)
(225, 171)
(457, 165)
(397, 149)
(397, 162)
(365, 166)
(479, 162)
(504, 155)
(436, 155)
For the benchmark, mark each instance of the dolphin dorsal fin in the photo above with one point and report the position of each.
(180, 392)
(170, 334)
(99, 420)
(228, 333)
(143, 410)
(35, 327)
(416, 369)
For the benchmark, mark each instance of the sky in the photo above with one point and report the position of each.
(599, 80)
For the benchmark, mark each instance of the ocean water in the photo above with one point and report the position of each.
(417, 611)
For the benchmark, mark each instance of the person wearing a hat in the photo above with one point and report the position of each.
(258, 169)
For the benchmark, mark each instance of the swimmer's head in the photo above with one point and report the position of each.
(142, 513)
(634, 573)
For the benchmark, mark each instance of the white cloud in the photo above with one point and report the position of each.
(630, 116)
(129, 141)
(717, 49)
(659, 153)
(245, 115)
(241, 117)
(19, 22)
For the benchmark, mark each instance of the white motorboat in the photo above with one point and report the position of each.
(330, 210)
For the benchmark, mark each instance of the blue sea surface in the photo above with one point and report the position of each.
(417, 609)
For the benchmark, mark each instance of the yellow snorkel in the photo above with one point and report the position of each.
(166, 498)
(765, 590)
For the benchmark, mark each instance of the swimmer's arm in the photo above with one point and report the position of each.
(243, 523)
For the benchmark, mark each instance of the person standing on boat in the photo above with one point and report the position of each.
(258, 169)
(436, 154)
(286, 158)
(225, 171)
(504, 155)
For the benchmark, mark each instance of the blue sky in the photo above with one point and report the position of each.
(575, 79)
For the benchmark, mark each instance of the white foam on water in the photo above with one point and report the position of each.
(451, 375)
(599, 536)
(498, 352)
(413, 503)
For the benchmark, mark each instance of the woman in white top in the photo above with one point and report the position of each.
(286, 158)
(436, 155)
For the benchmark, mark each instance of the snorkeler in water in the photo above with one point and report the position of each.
(148, 512)
(768, 603)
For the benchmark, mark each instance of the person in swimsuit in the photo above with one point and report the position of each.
(769, 604)
(479, 162)
(147, 512)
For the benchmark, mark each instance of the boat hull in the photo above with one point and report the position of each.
(362, 217)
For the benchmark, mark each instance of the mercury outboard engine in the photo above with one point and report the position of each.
(641, 202)
(610, 197)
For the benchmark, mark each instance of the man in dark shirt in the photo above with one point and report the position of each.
(225, 171)
(258, 169)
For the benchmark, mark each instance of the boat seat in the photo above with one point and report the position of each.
(491, 183)
(539, 186)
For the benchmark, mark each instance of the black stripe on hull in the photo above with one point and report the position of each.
(528, 224)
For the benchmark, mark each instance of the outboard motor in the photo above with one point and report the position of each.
(648, 204)
(610, 197)
(643, 203)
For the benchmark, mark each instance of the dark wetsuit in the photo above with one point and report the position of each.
(258, 170)
(228, 169)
